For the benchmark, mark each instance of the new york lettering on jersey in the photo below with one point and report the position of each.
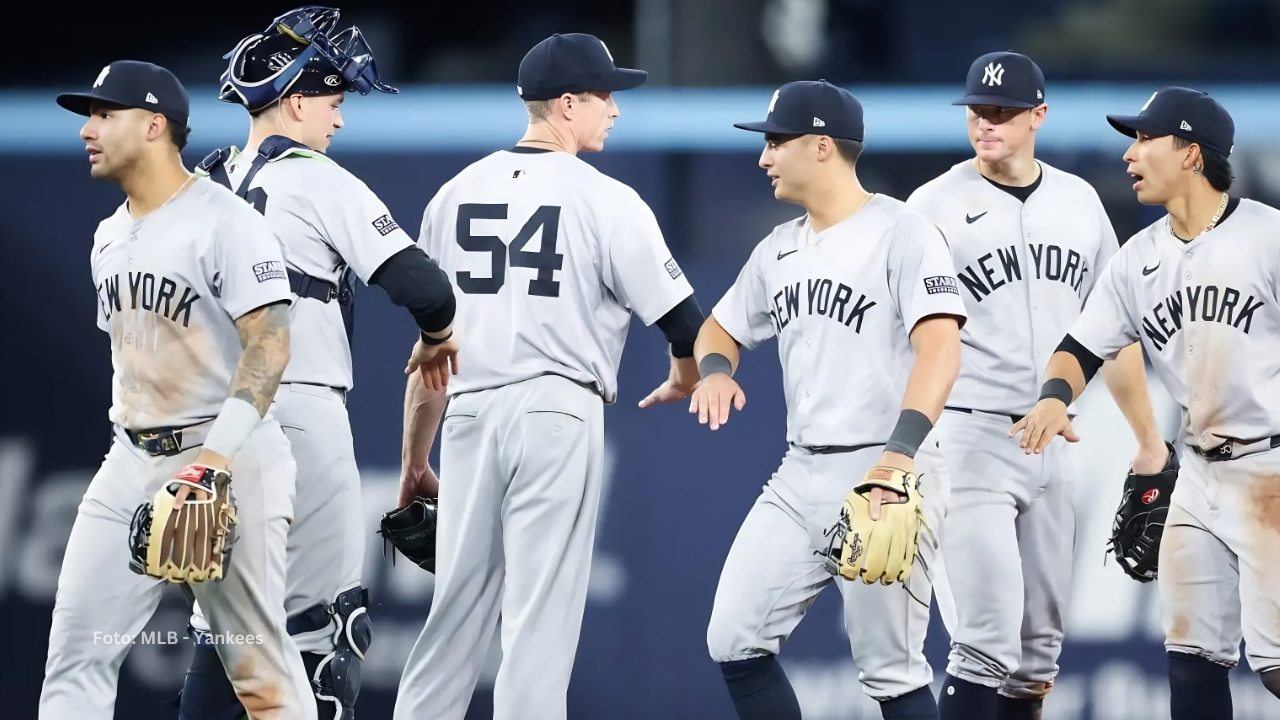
(1024, 269)
(1206, 313)
(171, 299)
(856, 290)
(170, 287)
(550, 258)
(1199, 303)
(822, 297)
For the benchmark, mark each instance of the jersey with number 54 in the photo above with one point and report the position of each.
(549, 258)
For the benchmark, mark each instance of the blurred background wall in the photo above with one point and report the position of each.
(676, 493)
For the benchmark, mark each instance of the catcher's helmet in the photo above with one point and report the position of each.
(298, 53)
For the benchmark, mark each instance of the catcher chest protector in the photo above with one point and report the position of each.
(303, 285)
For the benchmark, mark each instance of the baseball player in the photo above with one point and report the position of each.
(292, 78)
(551, 258)
(1199, 289)
(1028, 241)
(192, 291)
(863, 298)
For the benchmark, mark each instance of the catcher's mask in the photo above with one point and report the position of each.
(299, 53)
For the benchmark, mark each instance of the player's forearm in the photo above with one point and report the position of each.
(1126, 378)
(937, 345)
(715, 340)
(1064, 366)
(684, 371)
(264, 335)
(423, 409)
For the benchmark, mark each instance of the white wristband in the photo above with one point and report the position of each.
(232, 427)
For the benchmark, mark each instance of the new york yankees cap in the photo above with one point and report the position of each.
(1003, 79)
(134, 84)
(1189, 114)
(811, 107)
(572, 63)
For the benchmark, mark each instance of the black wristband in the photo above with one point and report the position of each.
(909, 434)
(428, 340)
(1058, 389)
(715, 363)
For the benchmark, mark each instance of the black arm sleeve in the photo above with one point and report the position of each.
(680, 326)
(413, 280)
(1089, 363)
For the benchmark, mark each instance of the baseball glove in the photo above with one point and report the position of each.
(881, 550)
(412, 530)
(1139, 521)
(191, 543)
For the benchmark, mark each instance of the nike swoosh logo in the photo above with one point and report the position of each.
(784, 254)
(971, 219)
(1148, 270)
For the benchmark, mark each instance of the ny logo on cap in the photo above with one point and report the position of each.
(774, 100)
(102, 76)
(993, 74)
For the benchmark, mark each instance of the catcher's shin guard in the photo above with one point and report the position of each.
(335, 678)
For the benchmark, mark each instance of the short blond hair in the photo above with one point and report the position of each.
(540, 110)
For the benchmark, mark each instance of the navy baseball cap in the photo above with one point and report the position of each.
(1189, 114)
(134, 84)
(1003, 79)
(572, 63)
(811, 107)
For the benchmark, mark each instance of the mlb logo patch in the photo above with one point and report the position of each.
(385, 224)
(673, 269)
(270, 270)
(941, 284)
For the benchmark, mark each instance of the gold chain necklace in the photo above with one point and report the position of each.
(1213, 222)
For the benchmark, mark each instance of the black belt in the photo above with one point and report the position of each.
(968, 411)
(163, 442)
(833, 449)
(1232, 449)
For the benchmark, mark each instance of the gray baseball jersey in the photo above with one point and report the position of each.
(1024, 271)
(1025, 268)
(1208, 314)
(328, 220)
(170, 307)
(550, 258)
(842, 304)
(852, 292)
(170, 288)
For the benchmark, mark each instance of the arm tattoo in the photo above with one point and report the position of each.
(264, 335)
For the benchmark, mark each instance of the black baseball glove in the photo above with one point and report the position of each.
(412, 530)
(1140, 518)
